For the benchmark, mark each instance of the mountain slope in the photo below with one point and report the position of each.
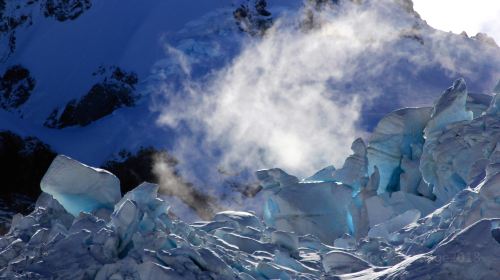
(189, 57)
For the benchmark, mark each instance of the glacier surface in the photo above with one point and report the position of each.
(419, 200)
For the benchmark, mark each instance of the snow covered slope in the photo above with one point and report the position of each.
(66, 59)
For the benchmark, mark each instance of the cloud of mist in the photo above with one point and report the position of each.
(276, 104)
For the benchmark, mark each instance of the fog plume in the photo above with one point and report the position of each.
(298, 96)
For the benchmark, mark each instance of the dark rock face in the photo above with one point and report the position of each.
(116, 90)
(23, 162)
(16, 86)
(253, 18)
(63, 10)
(9, 22)
(10, 206)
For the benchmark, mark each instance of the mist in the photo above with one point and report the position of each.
(276, 103)
(298, 96)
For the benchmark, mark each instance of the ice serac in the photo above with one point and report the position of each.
(455, 155)
(80, 188)
(354, 171)
(487, 203)
(384, 207)
(395, 145)
(449, 110)
(324, 175)
(417, 160)
(304, 207)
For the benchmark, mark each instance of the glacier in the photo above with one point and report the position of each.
(419, 199)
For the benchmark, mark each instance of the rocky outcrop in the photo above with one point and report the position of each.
(116, 90)
(16, 87)
(135, 168)
(23, 161)
(253, 17)
(63, 10)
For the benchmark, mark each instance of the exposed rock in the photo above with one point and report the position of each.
(16, 87)
(63, 10)
(133, 169)
(23, 162)
(116, 90)
(254, 19)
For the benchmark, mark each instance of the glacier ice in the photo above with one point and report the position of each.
(79, 187)
(420, 198)
(449, 108)
(320, 207)
(472, 253)
(494, 108)
(354, 171)
(384, 229)
(396, 143)
(341, 262)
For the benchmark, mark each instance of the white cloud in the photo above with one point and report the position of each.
(462, 15)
